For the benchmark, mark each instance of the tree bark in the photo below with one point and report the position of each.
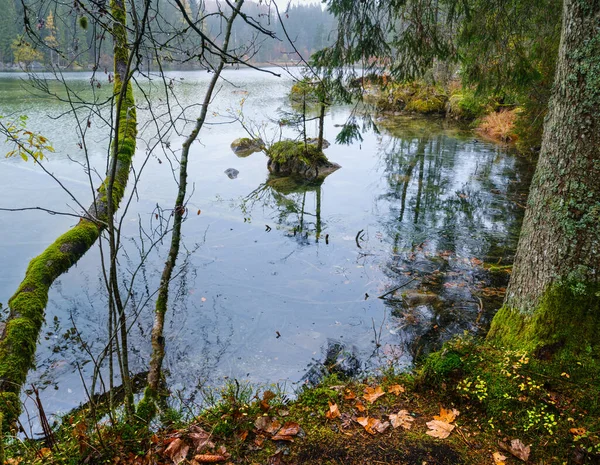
(553, 294)
(20, 334)
(152, 396)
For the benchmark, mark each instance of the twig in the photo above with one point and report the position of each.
(358, 237)
(383, 296)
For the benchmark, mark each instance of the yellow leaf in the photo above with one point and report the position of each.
(372, 394)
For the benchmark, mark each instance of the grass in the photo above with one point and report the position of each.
(499, 125)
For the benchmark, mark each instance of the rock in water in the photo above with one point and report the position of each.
(232, 173)
(295, 158)
(245, 146)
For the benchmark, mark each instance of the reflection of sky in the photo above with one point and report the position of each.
(244, 284)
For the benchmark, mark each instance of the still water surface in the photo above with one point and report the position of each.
(421, 203)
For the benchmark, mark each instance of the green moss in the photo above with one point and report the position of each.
(286, 150)
(465, 104)
(567, 317)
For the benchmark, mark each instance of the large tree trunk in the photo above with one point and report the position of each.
(18, 338)
(553, 297)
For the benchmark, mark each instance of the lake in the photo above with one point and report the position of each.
(277, 283)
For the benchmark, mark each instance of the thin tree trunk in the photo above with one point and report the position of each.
(552, 298)
(148, 406)
(19, 338)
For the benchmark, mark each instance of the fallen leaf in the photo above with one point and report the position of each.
(276, 459)
(349, 395)
(518, 449)
(360, 406)
(267, 424)
(259, 440)
(372, 425)
(199, 211)
(177, 451)
(242, 435)
(333, 411)
(578, 431)
(203, 299)
(346, 420)
(439, 429)
(289, 429)
(200, 438)
(499, 459)
(209, 458)
(372, 394)
(396, 389)
(283, 412)
(402, 418)
(447, 416)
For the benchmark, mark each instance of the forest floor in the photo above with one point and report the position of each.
(467, 404)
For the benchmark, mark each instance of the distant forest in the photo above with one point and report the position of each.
(64, 35)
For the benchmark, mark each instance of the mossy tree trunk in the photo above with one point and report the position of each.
(152, 396)
(553, 297)
(19, 338)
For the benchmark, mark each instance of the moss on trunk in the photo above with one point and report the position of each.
(19, 338)
(566, 319)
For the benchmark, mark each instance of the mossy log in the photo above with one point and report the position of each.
(19, 337)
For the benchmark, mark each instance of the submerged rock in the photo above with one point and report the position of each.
(339, 359)
(245, 146)
(232, 173)
(293, 158)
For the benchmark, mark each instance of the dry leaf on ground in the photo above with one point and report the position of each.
(349, 395)
(578, 431)
(372, 394)
(177, 451)
(200, 438)
(499, 459)
(518, 449)
(439, 429)
(333, 412)
(396, 389)
(267, 424)
(360, 406)
(447, 415)
(372, 425)
(402, 418)
(287, 432)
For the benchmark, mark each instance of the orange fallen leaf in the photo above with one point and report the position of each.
(439, 429)
(578, 431)
(360, 406)
(447, 416)
(177, 451)
(242, 435)
(349, 395)
(372, 394)
(402, 418)
(333, 412)
(291, 428)
(499, 459)
(372, 425)
(396, 389)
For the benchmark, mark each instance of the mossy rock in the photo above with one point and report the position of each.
(294, 158)
(245, 146)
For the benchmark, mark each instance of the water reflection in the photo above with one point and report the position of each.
(295, 203)
(454, 212)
